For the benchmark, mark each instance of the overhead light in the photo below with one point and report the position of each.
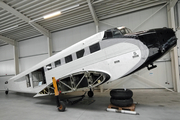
(59, 12)
(52, 15)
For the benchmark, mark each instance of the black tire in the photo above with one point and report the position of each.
(121, 93)
(90, 93)
(62, 107)
(122, 103)
(6, 92)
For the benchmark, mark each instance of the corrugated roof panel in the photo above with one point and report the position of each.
(45, 7)
(4, 15)
(19, 3)
(9, 2)
(23, 32)
(75, 22)
(68, 18)
(26, 5)
(113, 7)
(13, 27)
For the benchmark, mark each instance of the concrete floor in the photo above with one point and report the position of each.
(153, 105)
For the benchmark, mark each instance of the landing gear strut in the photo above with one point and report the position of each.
(6, 92)
(90, 93)
(60, 104)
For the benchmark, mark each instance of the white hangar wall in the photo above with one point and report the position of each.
(6, 64)
(34, 50)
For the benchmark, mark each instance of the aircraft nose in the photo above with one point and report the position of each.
(162, 39)
(166, 38)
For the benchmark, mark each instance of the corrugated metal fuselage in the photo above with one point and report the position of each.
(95, 60)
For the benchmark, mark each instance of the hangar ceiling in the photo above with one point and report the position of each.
(23, 19)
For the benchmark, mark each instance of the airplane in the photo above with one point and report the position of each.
(105, 56)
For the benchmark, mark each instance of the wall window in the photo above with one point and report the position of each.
(68, 58)
(57, 63)
(94, 47)
(80, 53)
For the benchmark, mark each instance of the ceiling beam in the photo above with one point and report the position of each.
(42, 30)
(13, 11)
(173, 3)
(24, 18)
(7, 40)
(93, 13)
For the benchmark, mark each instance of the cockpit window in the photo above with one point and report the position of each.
(108, 34)
(125, 31)
(116, 32)
(129, 30)
(112, 33)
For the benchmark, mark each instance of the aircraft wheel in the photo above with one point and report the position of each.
(121, 93)
(6, 92)
(62, 107)
(121, 103)
(90, 93)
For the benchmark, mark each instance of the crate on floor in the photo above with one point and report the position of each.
(130, 108)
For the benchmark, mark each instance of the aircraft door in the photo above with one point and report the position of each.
(28, 82)
(38, 77)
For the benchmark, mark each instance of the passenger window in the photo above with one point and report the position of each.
(80, 53)
(48, 67)
(68, 58)
(94, 48)
(57, 63)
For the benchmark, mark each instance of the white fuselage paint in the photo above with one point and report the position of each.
(117, 58)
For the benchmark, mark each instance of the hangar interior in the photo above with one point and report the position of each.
(26, 38)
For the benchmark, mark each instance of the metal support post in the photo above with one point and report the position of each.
(97, 28)
(174, 55)
(16, 58)
(49, 43)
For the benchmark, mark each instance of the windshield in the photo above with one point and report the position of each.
(124, 30)
(116, 32)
